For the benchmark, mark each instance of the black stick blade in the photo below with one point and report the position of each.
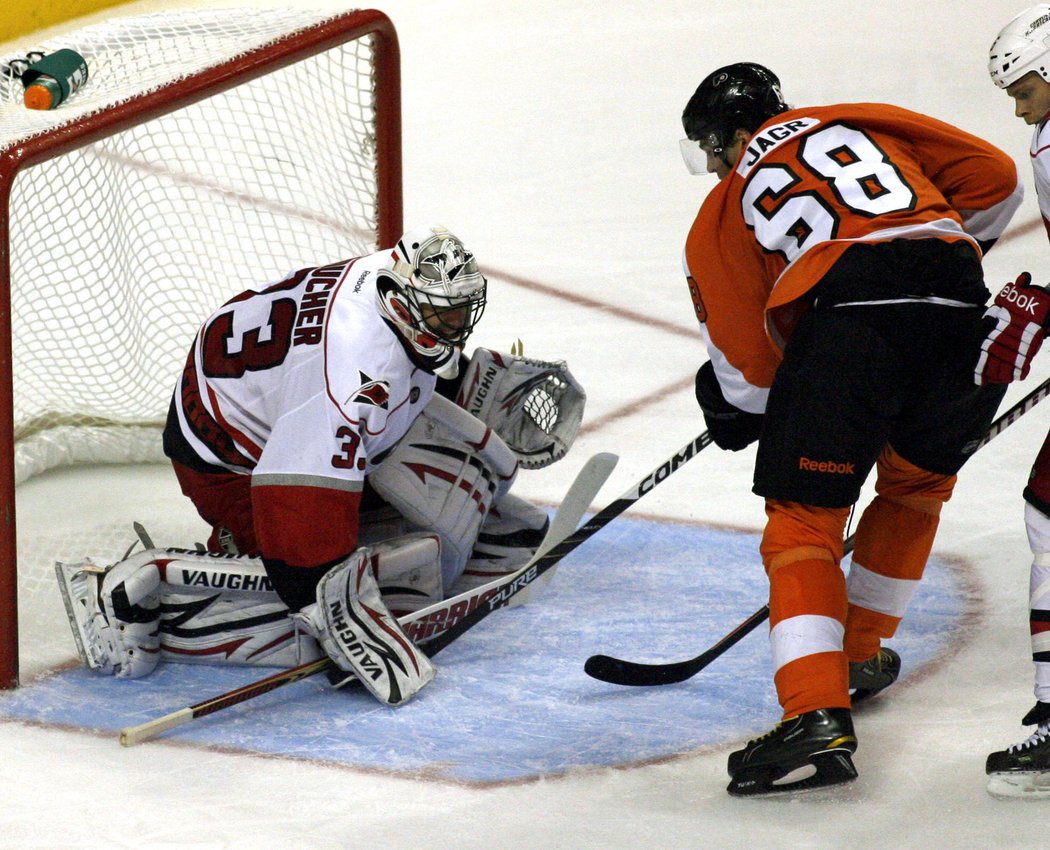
(617, 671)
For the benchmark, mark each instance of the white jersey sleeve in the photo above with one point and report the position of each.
(1040, 154)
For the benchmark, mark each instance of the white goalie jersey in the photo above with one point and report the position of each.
(303, 385)
(299, 363)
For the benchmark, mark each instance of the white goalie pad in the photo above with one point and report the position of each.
(443, 477)
(510, 536)
(179, 605)
(223, 609)
(114, 613)
(359, 634)
(200, 608)
(534, 405)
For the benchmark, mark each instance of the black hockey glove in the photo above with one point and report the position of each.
(730, 427)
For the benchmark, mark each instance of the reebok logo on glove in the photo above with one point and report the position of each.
(1026, 301)
(1013, 331)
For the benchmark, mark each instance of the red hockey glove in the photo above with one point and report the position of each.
(1015, 326)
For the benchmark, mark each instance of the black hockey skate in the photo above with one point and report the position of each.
(1023, 770)
(1037, 715)
(807, 751)
(867, 678)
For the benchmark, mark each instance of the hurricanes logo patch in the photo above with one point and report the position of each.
(372, 392)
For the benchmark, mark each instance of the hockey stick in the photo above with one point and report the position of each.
(137, 734)
(540, 564)
(619, 671)
(568, 515)
(461, 612)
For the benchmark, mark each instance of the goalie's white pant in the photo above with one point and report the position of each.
(203, 608)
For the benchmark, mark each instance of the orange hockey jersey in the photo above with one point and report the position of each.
(811, 183)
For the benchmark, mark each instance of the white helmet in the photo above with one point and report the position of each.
(1021, 47)
(434, 294)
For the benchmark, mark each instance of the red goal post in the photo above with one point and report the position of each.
(137, 206)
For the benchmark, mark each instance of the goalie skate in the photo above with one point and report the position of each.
(79, 585)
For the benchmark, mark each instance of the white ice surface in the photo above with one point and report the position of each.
(545, 134)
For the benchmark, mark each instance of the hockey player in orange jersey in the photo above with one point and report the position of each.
(836, 274)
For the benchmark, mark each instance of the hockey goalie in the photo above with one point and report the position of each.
(353, 465)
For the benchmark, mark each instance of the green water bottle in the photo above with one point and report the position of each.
(54, 78)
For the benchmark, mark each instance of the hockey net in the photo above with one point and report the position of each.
(210, 150)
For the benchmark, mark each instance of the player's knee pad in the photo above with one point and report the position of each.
(904, 483)
(114, 613)
(355, 629)
(800, 532)
(509, 537)
(1037, 526)
(444, 476)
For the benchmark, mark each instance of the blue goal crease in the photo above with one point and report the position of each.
(511, 701)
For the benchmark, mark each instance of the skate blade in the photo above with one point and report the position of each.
(857, 695)
(831, 767)
(1020, 785)
(75, 586)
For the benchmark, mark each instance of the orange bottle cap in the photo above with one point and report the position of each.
(39, 96)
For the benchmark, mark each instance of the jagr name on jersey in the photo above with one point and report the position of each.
(770, 138)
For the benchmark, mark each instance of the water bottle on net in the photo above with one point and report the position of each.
(51, 80)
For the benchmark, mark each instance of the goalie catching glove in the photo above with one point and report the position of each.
(355, 629)
(1014, 327)
(534, 405)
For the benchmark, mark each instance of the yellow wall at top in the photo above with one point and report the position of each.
(18, 17)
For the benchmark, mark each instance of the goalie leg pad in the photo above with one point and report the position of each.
(509, 537)
(444, 476)
(359, 634)
(223, 609)
(114, 613)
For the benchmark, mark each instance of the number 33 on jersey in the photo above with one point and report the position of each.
(301, 382)
(812, 182)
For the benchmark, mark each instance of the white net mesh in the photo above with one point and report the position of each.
(118, 250)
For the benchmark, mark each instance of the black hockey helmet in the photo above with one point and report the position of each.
(738, 96)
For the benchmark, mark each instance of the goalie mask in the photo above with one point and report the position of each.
(740, 96)
(434, 295)
(1021, 47)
